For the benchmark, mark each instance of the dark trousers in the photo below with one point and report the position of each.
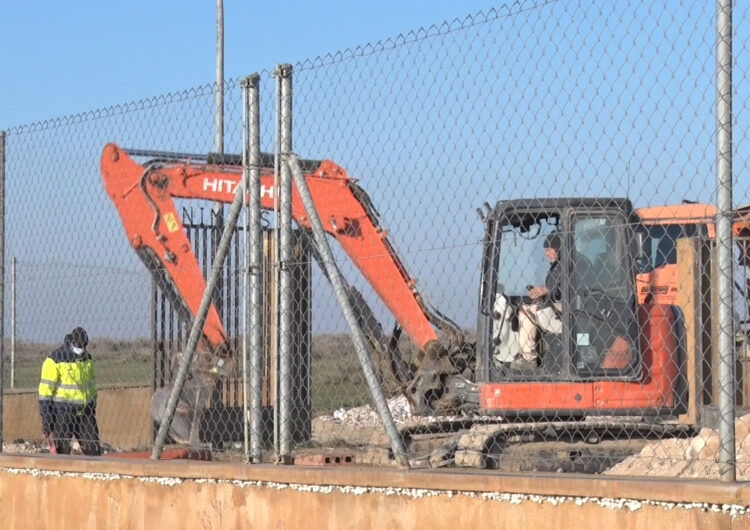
(79, 423)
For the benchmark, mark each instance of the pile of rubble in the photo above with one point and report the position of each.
(695, 457)
(366, 416)
(361, 426)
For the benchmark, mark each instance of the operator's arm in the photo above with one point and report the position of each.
(551, 287)
(554, 282)
(48, 385)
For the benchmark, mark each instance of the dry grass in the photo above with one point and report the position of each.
(337, 379)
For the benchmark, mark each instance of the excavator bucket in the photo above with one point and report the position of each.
(181, 429)
(193, 400)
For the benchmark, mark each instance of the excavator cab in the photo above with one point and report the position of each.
(585, 328)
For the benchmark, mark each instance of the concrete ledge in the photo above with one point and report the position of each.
(141, 494)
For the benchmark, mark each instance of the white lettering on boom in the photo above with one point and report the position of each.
(229, 187)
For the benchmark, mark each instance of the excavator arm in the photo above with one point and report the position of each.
(144, 197)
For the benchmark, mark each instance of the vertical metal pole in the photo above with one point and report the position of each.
(218, 207)
(256, 276)
(360, 345)
(724, 269)
(13, 322)
(274, 243)
(219, 96)
(246, 84)
(284, 72)
(253, 299)
(2, 278)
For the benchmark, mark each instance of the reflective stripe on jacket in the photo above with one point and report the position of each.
(67, 378)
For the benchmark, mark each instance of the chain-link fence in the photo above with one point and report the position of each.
(526, 245)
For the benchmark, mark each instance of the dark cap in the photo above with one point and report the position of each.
(79, 338)
(552, 241)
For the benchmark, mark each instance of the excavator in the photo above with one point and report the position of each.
(144, 196)
(618, 355)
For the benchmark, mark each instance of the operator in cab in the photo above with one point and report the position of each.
(67, 396)
(544, 311)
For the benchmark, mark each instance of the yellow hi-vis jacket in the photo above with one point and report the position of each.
(68, 378)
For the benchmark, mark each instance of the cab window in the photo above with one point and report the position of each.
(599, 263)
(664, 238)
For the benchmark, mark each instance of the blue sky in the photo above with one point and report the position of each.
(62, 58)
(84, 56)
(562, 98)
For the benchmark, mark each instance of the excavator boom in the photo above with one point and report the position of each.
(144, 196)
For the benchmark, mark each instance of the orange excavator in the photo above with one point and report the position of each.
(618, 352)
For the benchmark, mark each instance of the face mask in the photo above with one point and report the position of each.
(77, 351)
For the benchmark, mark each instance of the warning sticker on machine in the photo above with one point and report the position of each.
(171, 221)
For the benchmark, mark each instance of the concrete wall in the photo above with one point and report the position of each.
(44, 491)
(122, 413)
(54, 492)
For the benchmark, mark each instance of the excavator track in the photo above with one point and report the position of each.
(587, 446)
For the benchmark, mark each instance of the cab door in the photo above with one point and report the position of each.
(601, 296)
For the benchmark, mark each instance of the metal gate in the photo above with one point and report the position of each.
(222, 421)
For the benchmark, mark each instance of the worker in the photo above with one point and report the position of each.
(544, 311)
(67, 396)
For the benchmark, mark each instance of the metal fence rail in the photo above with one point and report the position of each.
(535, 218)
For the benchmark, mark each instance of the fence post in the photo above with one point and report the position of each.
(253, 269)
(725, 283)
(218, 207)
(284, 72)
